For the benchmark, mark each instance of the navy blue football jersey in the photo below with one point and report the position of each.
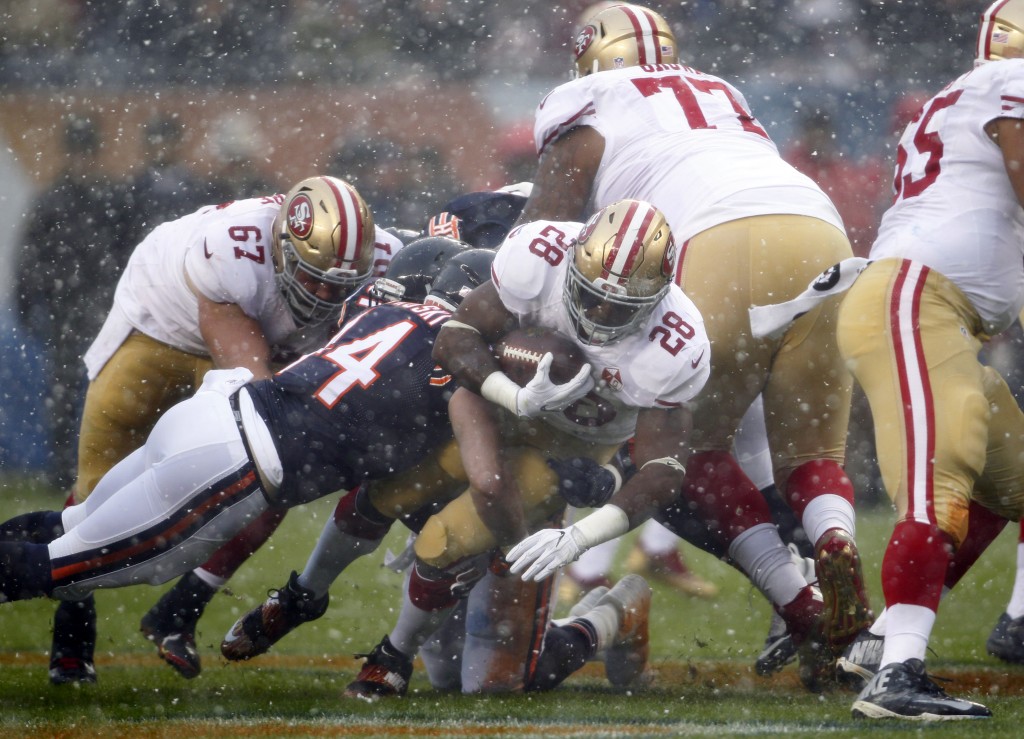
(369, 404)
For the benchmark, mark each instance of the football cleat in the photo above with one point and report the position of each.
(264, 626)
(847, 610)
(385, 674)
(904, 690)
(779, 649)
(177, 648)
(625, 659)
(861, 660)
(806, 626)
(1006, 642)
(65, 670)
(670, 570)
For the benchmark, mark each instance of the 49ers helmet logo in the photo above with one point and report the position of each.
(584, 39)
(300, 216)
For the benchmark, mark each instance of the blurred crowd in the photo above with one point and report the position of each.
(852, 44)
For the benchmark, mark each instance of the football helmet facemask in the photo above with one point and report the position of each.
(623, 36)
(1001, 30)
(414, 268)
(323, 247)
(620, 268)
(460, 275)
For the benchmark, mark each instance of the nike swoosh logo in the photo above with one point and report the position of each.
(695, 362)
(206, 252)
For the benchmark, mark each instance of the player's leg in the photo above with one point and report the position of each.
(140, 381)
(900, 332)
(360, 522)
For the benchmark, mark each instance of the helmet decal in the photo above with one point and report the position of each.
(584, 39)
(300, 216)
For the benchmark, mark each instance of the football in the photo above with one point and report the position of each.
(520, 351)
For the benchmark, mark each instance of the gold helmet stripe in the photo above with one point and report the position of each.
(351, 242)
(648, 45)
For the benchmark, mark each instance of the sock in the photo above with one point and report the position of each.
(182, 605)
(334, 551)
(983, 526)
(914, 565)
(1015, 608)
(722, 495)
(226, 560)
(907, 633)
(74, 629)
(24, 571)
(768, 563)
(427, 601)
(37, 527)
(604, 622)
(821, 494)
(566, 649)
(828, 512)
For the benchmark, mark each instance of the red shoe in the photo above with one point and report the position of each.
(806, 625)
(670, 569)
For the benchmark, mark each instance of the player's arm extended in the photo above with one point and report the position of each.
(564, 177)
(463, 346)
(661, 450)
(495, 495)
(233, 338)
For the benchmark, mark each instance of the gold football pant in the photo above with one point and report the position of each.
(142, 380)
(457, 531)
(946, 427)
(806, 387)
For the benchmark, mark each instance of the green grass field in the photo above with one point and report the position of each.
(702, 661)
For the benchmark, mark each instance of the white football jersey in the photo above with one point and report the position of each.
(955, 209)
(662, 365)
(683, 141)
(226, 251)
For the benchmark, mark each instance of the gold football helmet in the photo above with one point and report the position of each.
(621, 267)
(1001, 29)
(323, 248)
(623, 36)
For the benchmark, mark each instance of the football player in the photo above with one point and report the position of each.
(606, 284)
(635, 123)
(945, 275)
(250, 283)
(239, 446)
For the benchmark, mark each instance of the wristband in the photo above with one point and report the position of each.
(606, 523)
(502, 390)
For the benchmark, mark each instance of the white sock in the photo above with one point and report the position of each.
(334, 551)
(907, 633)
(1015, 608)
(605, 620)
(826, 512)
(415, 626)
(761, 554)
(214, 581)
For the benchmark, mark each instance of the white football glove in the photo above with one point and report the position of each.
(541, 394)
(542, 553)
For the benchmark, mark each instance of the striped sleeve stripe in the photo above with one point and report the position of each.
(152, 542)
